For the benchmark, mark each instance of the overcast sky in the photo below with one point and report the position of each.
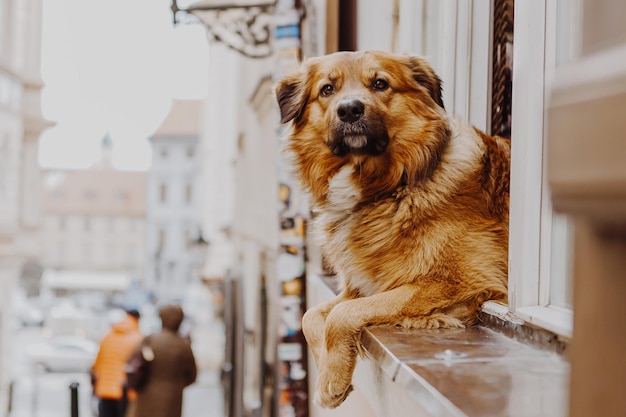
(114, 66)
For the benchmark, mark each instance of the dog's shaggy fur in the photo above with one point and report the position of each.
(412, 207)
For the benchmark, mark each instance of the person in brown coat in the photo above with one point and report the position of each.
(171, 368)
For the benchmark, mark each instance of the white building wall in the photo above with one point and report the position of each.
(10, 150)
(256, 216)
(240, 210)
(175, 166)
(20, 125)
(110, 243)
(220, 134)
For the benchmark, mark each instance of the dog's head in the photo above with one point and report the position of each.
(365, 107)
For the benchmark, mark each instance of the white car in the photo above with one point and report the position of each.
(63, 354)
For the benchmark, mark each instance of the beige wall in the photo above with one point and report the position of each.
(587, 175)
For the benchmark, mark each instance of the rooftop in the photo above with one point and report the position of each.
(183, 120)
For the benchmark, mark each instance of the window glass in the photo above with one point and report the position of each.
(161, 245)
(5, 90)
(163, 193)
(502, 95)
(560, 265)
(130, 255)
(61, 254)
(110, 254)
(86, 253)
(5, 155)
(89, 195)
(539, 282)
(132, 225)
(567, 48)
(20, 19)
(432, 37)
(4, 28)
(188, 193)
(122, 196)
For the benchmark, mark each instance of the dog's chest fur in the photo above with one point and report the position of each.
(337, 226)
(376, 244)
(333, 227)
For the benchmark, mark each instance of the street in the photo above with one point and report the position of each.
(47, 394)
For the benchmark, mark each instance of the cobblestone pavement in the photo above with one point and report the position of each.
(205, 397)
(50, 397)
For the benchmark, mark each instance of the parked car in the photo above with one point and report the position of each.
(63, 354)
(26, 310)
(29, 315)
(66, 319)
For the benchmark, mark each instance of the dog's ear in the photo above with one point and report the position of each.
(290, 96)
(425, 76)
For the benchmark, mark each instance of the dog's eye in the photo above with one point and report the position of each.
(327, 90)
(380, 85)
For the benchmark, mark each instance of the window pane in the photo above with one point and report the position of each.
(188, 193)
(163, 193)
(567, 44)
(502, 68)
(86, 261)
(161, 240)
(560, 266)
(431, 32)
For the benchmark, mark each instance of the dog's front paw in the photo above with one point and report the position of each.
(331, 390)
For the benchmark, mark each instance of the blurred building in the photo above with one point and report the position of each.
(94, 221)
(173, 203)
(21, 123)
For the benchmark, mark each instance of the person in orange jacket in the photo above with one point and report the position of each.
(108, 375)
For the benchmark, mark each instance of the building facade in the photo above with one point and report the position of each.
(21, 123)
(173, 204)
(94, 221)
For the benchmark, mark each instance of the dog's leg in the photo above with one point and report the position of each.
(314, 324)
(346, 321)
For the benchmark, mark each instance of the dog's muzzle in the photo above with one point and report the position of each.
(357, 132)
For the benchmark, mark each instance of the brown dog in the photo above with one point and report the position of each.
(412, 207)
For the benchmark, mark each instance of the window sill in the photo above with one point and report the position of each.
(555, 319)
(478, 371)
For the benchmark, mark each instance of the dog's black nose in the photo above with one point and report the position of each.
(350, 110)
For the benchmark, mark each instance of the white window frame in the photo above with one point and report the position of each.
(530, 234)
(464, 63)
(461, 42)
(459, 51)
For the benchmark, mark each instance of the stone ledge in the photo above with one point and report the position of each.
(473, 372)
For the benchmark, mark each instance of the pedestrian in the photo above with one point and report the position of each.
(107, 373)
(171, 368)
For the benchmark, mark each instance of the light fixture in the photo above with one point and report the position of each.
(242, 25)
